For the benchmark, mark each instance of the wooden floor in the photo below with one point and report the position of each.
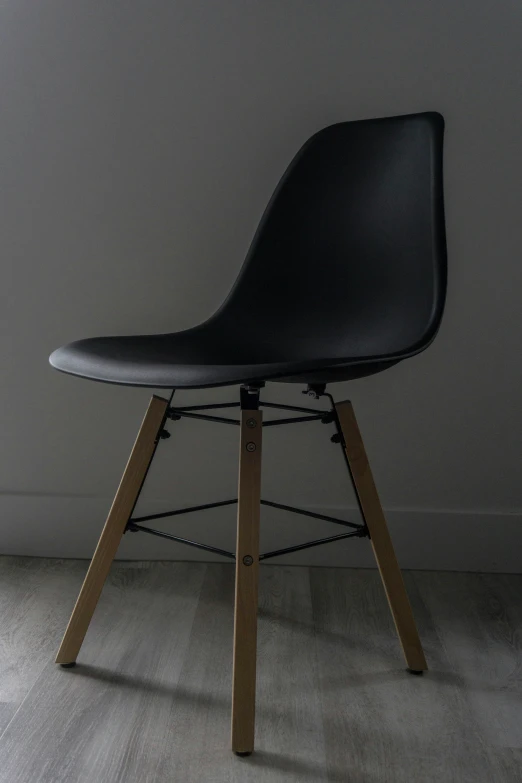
(150, 698)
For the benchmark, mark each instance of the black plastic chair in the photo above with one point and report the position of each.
(346, 276)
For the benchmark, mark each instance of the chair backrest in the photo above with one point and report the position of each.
(349, 260)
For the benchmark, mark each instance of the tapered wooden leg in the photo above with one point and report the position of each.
(382, 545)
(247, 566)
(121, 509)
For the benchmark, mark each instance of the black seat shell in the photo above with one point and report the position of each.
(345, 277)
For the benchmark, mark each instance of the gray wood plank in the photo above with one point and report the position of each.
(7, 710)
(93, 722)
(508, 764)
(131, 712)
(506, 603)
(150, 698)
(289, 731)
(381, 723)
(289, 742)
(479, 621)
(36, 598)
(474, 755)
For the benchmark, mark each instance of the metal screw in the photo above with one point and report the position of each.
(251, 423)
(248, 560)
(251, 446)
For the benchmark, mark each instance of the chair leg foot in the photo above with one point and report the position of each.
(380, 537)
(122, 507)
(68, 665)
(247, 566)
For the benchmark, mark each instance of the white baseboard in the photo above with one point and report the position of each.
(61, 526)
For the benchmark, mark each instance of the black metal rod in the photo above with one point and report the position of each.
(188, 510)
(220, 419)
(312, 514)
(293, 420)
(307, 545)
(291, 408)
(182, 412)
(134, 527)
(210, 407)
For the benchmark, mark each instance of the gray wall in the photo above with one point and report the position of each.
(139, 144)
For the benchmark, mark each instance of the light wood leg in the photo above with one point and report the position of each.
(382, 545)
(121, 509)
(247, 567)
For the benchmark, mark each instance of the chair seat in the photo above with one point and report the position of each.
(345, 276)
(195, 358)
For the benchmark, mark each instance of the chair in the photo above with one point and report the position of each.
(345, 277)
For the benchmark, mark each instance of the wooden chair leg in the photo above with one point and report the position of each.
(121, 509)
(247, 567)
(382, 545)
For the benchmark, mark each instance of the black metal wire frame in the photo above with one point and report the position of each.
(134, 528)
(216, 405)
(187, 510)
(190, 413)
(304, 513)
(359, 530)
(310, 544)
